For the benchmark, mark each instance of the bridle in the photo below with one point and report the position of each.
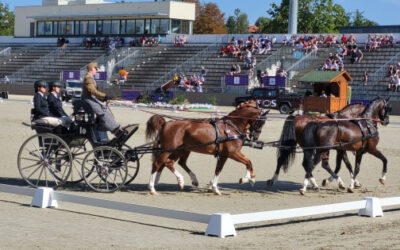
(256, 126)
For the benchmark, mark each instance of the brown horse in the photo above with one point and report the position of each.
(292, 134)
(222, 137)
(359, 135)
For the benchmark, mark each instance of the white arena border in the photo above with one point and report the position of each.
(219, 224)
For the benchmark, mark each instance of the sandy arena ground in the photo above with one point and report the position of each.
(74, 226)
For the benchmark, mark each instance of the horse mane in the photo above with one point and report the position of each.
(371, 107)
(241, 106)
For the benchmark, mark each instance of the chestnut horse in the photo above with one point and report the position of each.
(359, 135)
(292, 134)
(224, 138)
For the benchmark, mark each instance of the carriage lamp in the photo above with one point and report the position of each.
(80, 115)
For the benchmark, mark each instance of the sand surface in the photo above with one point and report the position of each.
(73, 226)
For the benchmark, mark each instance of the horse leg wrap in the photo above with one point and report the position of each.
(193, 177)
(180, 179)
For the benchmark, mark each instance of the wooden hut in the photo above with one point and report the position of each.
(330, 90)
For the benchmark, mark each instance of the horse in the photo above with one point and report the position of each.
(359, 135)
(222, 137)
(292, 134)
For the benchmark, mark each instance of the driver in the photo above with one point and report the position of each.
(93, 97)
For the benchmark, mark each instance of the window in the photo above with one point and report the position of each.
(123, 27)
(61, 27)
(271, 93)
(139, 27)
(45, 28)
(76, 28)
(99, 28)
(92, 28)
(164, 26)
(147, 26)
(69, 28)
(175, 26)
(115, 27)
(258, 93)
(106, 27)
(155, 26)
(186, 27)
(130, 27)
(55, 28)
(83, 27)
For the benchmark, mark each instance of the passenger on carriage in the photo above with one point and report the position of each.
(93, 97)
(41, 113)
(55, 104)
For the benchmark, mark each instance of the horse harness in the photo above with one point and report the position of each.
(367, 128)
(219, 139)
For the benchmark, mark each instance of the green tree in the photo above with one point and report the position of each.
(242, 24)
(263, 24)
(231, 25)
(359, 20)
(314, 16)
(210, 20)
(6, 21)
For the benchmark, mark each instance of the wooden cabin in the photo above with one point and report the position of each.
(330, 89)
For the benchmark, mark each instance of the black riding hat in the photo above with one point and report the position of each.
(54, 84)
(40, 83)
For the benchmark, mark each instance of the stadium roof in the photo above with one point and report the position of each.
(325, 76)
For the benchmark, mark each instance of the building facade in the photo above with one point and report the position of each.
(82, 18)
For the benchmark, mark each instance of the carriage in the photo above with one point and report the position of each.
(57, 155)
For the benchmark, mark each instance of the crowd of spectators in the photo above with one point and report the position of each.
(379, 41)
(103, 42)
(193, 83)
(394, 77)
(145, 41)
(180, 41)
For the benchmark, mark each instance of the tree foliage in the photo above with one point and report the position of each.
(6, 21)
(314, 16)
(210, 20)
(238, 24)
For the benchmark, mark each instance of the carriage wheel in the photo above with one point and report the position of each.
(45, 160)
(105, 169)
(78, 154)
(133, 161)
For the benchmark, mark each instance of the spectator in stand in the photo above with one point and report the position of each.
(397, 81)
(176, 79)
(397, 68)
(233, 70)
(238, 69)
(6, 80)
(334, 66)
(203, 71)
(392, 83)
(344, 38)
(365, 78)
(327, 65)
(123, 75)
(390, 71)
(223, 51)
(357, 56)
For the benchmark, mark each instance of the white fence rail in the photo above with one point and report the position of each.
(219, 224)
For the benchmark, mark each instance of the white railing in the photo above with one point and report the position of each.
(219, 224)
(5, 52)
(19, 77)
(381, 72)
(300, 65)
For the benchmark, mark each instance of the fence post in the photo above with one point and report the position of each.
(43, 198)
(221, 225)
(372, 208)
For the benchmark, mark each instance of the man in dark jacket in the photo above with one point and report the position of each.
(55, 104)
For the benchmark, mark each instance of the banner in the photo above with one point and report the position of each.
(237, 80)
(131, 95)
(101, 76)
(70, 75)
(274, 81)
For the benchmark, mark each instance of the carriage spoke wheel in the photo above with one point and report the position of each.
(78, 154)
(133, 161)
(45, 160)
(104, 169)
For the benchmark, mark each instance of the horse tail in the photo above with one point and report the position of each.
(287, 153)
(309, 144)
(153, 127)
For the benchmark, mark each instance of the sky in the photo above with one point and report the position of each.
(384, 12)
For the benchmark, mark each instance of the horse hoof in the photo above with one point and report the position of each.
(341, 186)
(153, 192)
(181, 184)
(243, 180)
(270, 183)
(217, 192)
(315, 189)
(252, 181)
(357, 185)
(350, 190)
(302, 192)
(325, 183)
(195, 184)
(382, 181)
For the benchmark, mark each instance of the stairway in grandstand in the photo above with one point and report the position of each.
(143, 74)
(27, 65)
